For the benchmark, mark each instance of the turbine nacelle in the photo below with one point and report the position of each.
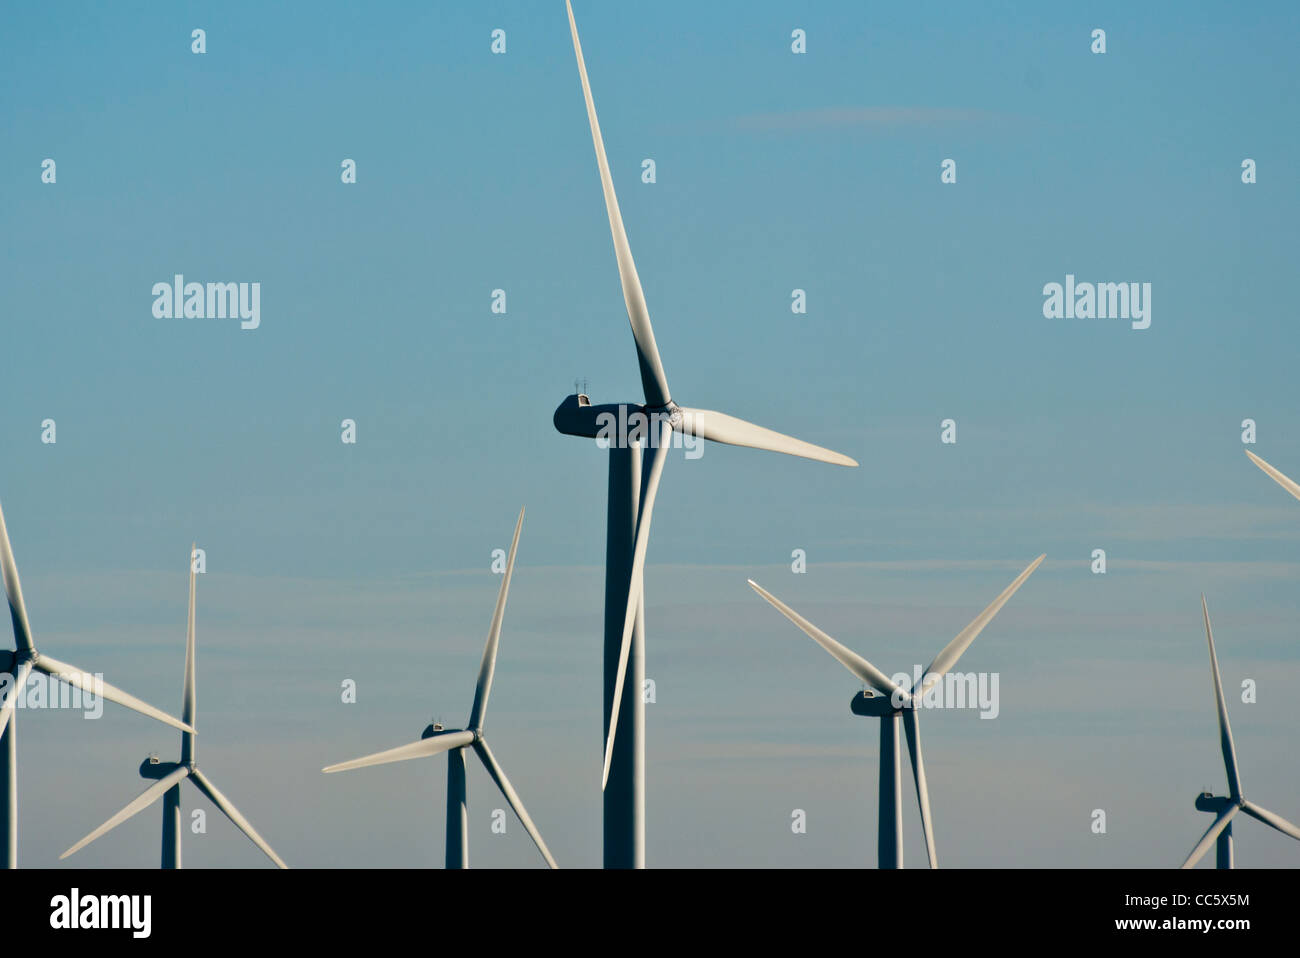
(621, 423)
(1215, 804)
(873, 704)
(435, 730)
(154, 768)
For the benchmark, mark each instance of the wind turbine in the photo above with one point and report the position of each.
(1290, 485)
(632, 494)
(1226, 807)
(170, 775)
(437, 740)
(19, 664)
(888, 701)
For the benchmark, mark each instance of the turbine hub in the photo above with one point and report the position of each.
(671, 410)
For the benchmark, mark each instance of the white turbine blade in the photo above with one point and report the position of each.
(11, 700)
(14, 590)
(719, 427)
(434, 745)
(232, 813)
(634, 587)
(190, 704)
(918, 774)
(1271, 818)
(653, 380)
(87, 683)
(487, 667)
(855, 663)
(138, 805)
(1290, 485)
(1207, 840)
(499, 776)
(1225, 731)
(946, 659)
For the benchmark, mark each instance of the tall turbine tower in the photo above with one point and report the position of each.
(890, 702)
(632, 491)
(19, 664)
(1225, 807)
(170, 775)
(437, 740)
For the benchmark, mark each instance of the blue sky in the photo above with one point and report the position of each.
(774, 172)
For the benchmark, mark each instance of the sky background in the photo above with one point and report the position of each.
(775, 171)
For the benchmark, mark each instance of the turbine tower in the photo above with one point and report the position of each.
(1286, 483)
(170, 775)
(437, 740)
(1226, 807)
(632, 491)
(19, 664)
(889, 702)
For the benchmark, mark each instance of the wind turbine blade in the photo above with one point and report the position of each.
(499, 776)
(14, 590)
(487, 668)
(434, 745)
(232, 813)
(635, 586)
(11, 700)
(946, 659)
(653, 380)
(1225, 731)
(1290, 485)
(719, 427)
(1271, 818)
(190, 704)
(138, 805)
(88, 683)
(918, 774)
(1211, 834)
(855, 663)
